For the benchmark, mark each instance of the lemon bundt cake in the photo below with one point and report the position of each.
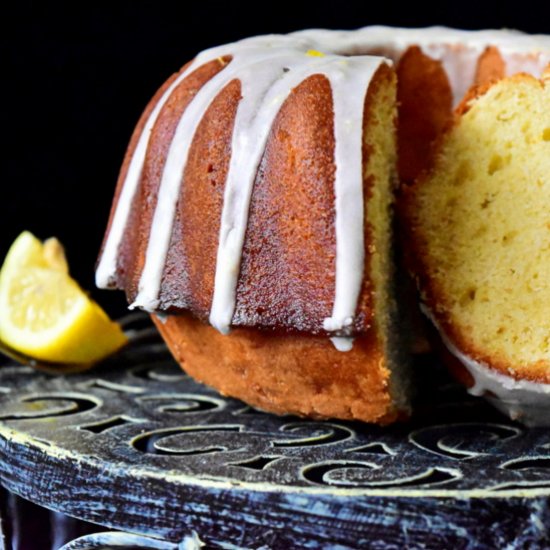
(252, 215)
(479, 227)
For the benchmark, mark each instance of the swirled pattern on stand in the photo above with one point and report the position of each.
(138, 445)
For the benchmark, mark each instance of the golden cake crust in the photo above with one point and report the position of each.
(425, 103)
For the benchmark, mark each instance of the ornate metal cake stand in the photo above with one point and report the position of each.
(137, 446)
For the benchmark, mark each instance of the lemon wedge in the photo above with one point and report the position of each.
(45, 314)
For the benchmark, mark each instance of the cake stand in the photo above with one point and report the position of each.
(156, 460)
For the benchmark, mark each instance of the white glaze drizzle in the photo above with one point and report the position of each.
(161, 228)
(107, 266)
(522, 400)
(272, 83)
(260, 64)
(457, 50)
(349, 88)
(106, 269)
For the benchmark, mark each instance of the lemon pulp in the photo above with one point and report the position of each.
(43, 311)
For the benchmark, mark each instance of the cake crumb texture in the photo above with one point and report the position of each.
(481, 224)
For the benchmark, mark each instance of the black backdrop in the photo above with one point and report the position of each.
(75, 78)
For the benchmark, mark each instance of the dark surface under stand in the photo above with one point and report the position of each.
(137, 446)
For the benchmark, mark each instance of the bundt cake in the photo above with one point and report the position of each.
(253, 213)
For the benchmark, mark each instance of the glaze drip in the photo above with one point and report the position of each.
(522, 400)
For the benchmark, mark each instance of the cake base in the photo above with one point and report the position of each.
(286, 373)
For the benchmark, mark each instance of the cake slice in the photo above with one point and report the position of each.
(479, 229)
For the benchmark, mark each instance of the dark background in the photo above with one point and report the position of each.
(75, 78)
